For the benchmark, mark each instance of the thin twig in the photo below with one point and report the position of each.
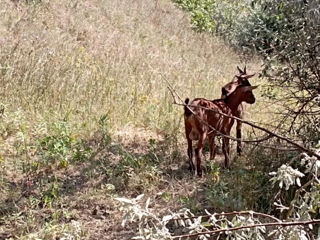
(258, 127)
(172, 91)
(243, 121)
(276, 147)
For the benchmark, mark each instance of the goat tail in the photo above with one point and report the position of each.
(187, 111)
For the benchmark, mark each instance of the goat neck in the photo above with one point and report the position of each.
(233, 101)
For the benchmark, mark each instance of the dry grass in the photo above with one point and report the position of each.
(80, 60)
(95, 57)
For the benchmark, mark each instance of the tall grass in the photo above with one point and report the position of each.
(69, 69)
(88, 58)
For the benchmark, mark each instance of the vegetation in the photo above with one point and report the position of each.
(285, 35)
(87, 123)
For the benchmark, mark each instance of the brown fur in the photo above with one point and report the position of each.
(199, 124)
(240, 79)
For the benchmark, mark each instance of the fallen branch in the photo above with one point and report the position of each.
(281, 224)
(231, 214)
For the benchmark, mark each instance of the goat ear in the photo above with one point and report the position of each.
(240, 71)
(248, 75)
(249, 88)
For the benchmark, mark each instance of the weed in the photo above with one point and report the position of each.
(138, 173)
(165, 196)
(50, 194)
(190, 202)
(213, 172)
(62, 147)
(65, 77)
(217, 195)
(103, 126)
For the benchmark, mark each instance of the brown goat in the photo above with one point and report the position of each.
(240, 79)
(202, 118)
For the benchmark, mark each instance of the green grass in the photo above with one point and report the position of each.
(85, 113)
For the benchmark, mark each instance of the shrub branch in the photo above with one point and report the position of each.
(281, 224)
(231, 214)
(270, 133)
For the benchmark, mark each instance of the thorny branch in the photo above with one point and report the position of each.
(270, 133)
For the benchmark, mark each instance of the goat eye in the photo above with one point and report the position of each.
(224, 91)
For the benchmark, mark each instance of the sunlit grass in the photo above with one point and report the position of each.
(78, 62)
(107, 59)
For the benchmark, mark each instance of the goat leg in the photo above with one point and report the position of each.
(239, 146)
(198, 152)
(198, 158)
(226, 151)
(212, 147)
(192, 167)
(239, 114)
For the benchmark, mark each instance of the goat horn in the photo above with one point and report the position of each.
(254, 87)
(240, 71)
(245, 69)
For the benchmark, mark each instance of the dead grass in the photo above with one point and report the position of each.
(115, 57)
(80, 60)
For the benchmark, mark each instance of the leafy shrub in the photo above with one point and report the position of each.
(201, 12)
(286, 35)
(103, 127)
(234, 225)
(49, 195)
(216, 16)
(62, 146)
(133, 171)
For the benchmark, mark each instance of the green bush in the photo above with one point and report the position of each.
(286, 35)
(135, 172)
(62, 146)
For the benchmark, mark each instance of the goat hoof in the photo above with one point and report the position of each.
(200, 174)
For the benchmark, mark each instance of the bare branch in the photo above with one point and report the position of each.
(172, 91)
(299, 112)
(231, 214)
(281, 224)
(271, 134)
